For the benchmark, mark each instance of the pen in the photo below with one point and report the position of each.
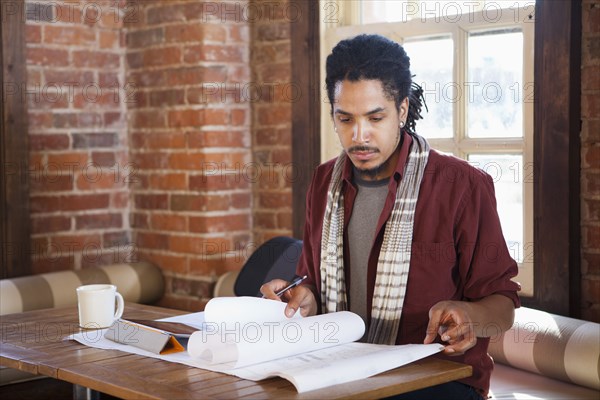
(294, 283)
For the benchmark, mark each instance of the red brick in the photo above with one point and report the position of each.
(48, 142)
(590, 290)
(66, 244)
(590, 132)
(74, 202)
(168, 222)
(152, 160)
(592, 156)
(114, 120)
(591, 18)
(69, 35)
(239, 117)
(198, 245)
(145, 38)
(39, 120)
(590, 106)
(168, 97)
(151, 240)
(591, 237)
(104, 159)
(186, 161)
(275, 115)
(206, 52)
(166, 140)
(240, 200)
(591, 183)
(284, 220)
(281, 156)
(135, 60)
(172, 181)
(265, 220)
(116, 239)
(236, 139)
(591, 263)
(53, 263)
(193, 202)
(216, 117)
(196, 33)
(220, 180)
(139, 221)
(98, 221)
(149, 119)
(71, 161)
(50, 224)
(51, 181)
(275, 200)
(161, 56)
(591, 210)
(273, 136)
(94, 140)
(225, 223)
(177, 264)
(273, 52)
(33, 33)
(590, 77)
(93, 177)
(186, 118)
(151, 201)
(119, 199)
(165, 13)
(273, 31)
(93, 59)
(108, 39)
(47, 57)
(195, 75)
(239, 33)
(147, 79)
(89, 119)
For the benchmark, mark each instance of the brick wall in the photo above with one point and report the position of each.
(190, 138)
(78, 135)
(160, 131)
(271, 119)
(590, 160)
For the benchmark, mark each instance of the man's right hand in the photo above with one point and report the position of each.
(300, 297)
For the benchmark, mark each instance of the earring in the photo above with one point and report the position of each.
(401, 124)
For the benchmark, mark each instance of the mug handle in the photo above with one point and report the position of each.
(120, 305)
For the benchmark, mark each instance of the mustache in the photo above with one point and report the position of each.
(354, 149)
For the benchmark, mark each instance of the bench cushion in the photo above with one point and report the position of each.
(558, 347)
(141, 282)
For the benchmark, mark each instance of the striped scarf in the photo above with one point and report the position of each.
(394, 258)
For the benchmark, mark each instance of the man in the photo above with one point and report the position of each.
(404, 236)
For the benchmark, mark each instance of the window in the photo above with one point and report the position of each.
(474, 60)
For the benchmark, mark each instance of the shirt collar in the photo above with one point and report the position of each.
(404, 149)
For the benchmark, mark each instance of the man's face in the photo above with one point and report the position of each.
(368, 125)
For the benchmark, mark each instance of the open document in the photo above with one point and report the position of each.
(251, 338)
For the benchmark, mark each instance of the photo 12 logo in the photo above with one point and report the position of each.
(87, 12)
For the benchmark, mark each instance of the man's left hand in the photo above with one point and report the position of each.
(451, 320)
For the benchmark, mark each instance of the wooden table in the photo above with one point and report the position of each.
(34, 342)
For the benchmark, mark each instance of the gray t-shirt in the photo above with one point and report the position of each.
(361, 235)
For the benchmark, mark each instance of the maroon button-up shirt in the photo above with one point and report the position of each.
(458, 250)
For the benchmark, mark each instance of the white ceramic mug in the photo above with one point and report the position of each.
(97, 305)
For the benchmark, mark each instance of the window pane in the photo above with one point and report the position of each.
(431, 62)
(494, 85)
(507, 173)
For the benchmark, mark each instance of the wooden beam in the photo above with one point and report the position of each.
(557, 112)
(14, 153)
(306, 111)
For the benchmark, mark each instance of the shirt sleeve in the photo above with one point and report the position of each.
(306, 264)
(484, 262)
